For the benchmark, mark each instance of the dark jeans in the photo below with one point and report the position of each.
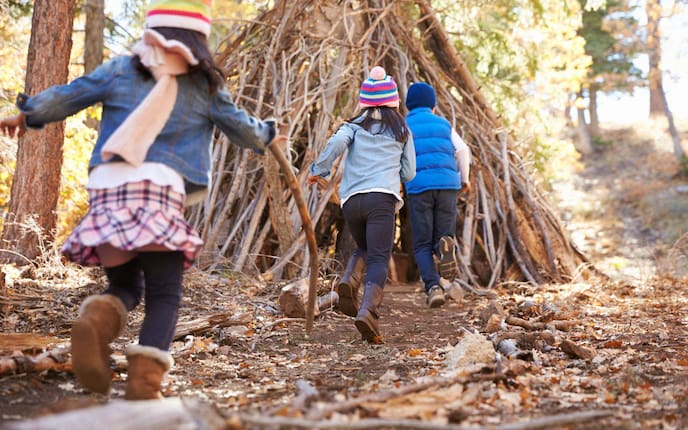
(433, 215)
(370, 217)
(158, 275)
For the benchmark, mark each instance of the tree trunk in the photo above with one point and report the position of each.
(653, 47)
(592, 109)
(571, 100)
(93, 41)
(39, 153)
(680, 148)
(584, 140)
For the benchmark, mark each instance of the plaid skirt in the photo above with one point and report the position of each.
(131, 216)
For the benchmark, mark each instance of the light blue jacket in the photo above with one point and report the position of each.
(184, 144)
(374, 162)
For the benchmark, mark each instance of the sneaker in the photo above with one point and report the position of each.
(435, 296)
(448, 268)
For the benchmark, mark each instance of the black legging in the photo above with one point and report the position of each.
(370, 217)
(158, 275)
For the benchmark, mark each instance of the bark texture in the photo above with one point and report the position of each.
(94, 41)
(35, 188)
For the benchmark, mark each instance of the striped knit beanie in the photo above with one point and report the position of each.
(186, 14)
(378, 90)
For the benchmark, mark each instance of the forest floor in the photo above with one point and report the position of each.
(618, 360)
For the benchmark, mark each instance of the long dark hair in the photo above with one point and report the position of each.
(390, 119)
(198, 44)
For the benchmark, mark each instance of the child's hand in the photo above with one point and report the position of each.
(13, 125)
(280, 140)
(466, 187)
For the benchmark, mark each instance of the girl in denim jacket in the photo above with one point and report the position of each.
(380, 158)
(153, 152)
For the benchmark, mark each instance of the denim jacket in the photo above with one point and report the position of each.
(373, 162)
(184, 144)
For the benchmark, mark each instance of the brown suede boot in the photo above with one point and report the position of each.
(101, 319)
(366, 320)
(349, 284)
(146, 368)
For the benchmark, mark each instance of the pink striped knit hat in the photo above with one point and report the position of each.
(187, 14)
(378, 90)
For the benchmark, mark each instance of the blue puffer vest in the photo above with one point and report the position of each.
(435, 163)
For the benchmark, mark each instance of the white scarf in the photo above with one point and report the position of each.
(165, 59)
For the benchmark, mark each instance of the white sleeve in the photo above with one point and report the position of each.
(462, 155)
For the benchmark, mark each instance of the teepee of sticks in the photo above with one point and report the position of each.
(302, 63)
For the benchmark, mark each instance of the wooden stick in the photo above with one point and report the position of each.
(324, 411)
(487, 223)
(275, 149)
(529, 325)
(519, 253)
(207, 323)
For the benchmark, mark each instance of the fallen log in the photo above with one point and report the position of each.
(526, 339)
(293, 299)
(547, 422)
(206, 323)
(56, 359)
(11, 342)
(176, 413)
(530, 325)
(172, 413)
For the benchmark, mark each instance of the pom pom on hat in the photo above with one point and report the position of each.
(420, 94)
(187, 14)
(378, 73)
(378, 90)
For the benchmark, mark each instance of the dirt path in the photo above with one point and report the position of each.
(636, 334)
(637, 373)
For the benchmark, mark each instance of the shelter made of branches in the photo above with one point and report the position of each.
(302, 63)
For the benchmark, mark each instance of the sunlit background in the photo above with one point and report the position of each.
(628, 109)
(622, 108)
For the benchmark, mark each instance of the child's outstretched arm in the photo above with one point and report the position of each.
(13, 125)
(241, 128)
(336, 145)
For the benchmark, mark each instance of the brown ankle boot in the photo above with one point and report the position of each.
(101, 319)
(349, 284)
(366, 320)
(146, 368)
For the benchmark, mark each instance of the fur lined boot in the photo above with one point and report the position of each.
(366, 320)
(101, 319)
(349, 284)
(146, 368)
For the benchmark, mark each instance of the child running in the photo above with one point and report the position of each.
(443, 163)
(380, 158)
(160, 107)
